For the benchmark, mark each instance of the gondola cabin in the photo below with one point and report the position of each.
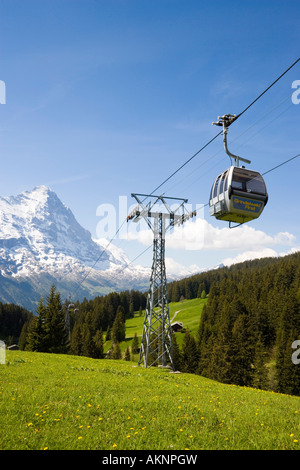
(238, 195)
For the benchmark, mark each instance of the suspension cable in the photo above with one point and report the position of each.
(197, 153)
(233, 120)
(281, 164)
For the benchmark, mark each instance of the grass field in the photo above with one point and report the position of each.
(188, 312)
(68, 402)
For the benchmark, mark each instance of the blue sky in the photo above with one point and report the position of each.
(109, 97)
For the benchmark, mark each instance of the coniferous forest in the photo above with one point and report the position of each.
(246, 331)
(250, 322)
(250, 326)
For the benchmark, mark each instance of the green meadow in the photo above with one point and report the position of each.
(63, 402)
(188, 312)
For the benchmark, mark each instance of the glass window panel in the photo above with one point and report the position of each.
(256, 185)
(222, 183)
(226, 181)
(216, 186)
(248, 181)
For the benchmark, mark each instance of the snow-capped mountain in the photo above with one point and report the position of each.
(41, 243)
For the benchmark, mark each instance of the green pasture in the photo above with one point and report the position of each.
(187, 312)
(50, 401)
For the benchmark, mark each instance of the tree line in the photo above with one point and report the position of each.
(12, 319)
(78, 328)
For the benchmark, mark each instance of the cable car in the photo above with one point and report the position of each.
(238, 195)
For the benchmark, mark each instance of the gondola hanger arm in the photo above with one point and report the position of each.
(226, 121)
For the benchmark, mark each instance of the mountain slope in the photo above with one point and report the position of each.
(41, 243)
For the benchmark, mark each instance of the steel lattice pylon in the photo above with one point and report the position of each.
(156, 345)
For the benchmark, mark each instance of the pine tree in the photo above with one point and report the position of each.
(76, 340)
(127, 354)
(177, 355)
(118, 329)
(201, 290)
(175, 293)
(260, 374)
(241, 352)
(187, 289)
(203, 337)
(135, 344)
(98, 341)
(55, 326)
(36, 340)
(108, 334)
(131, 309)
(190, 353)
(88, 346)
(116, 351)
(22, 343)
(218, 366)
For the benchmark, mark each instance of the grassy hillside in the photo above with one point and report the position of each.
(188, 312)
(52, 401)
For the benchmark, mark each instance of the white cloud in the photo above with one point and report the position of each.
(250, 255)
(198, 234)
(293, 250)
(257, 254)
(235, 245)
(175, 268)
(143, 236)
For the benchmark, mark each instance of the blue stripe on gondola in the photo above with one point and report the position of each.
(247, 205)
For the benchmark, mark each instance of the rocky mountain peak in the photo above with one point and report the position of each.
(41, 239)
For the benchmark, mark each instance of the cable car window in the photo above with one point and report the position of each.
(226, 181)
(216, 186)
(256, 185)
(248, 181)
(222, 183)
(238, 182)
